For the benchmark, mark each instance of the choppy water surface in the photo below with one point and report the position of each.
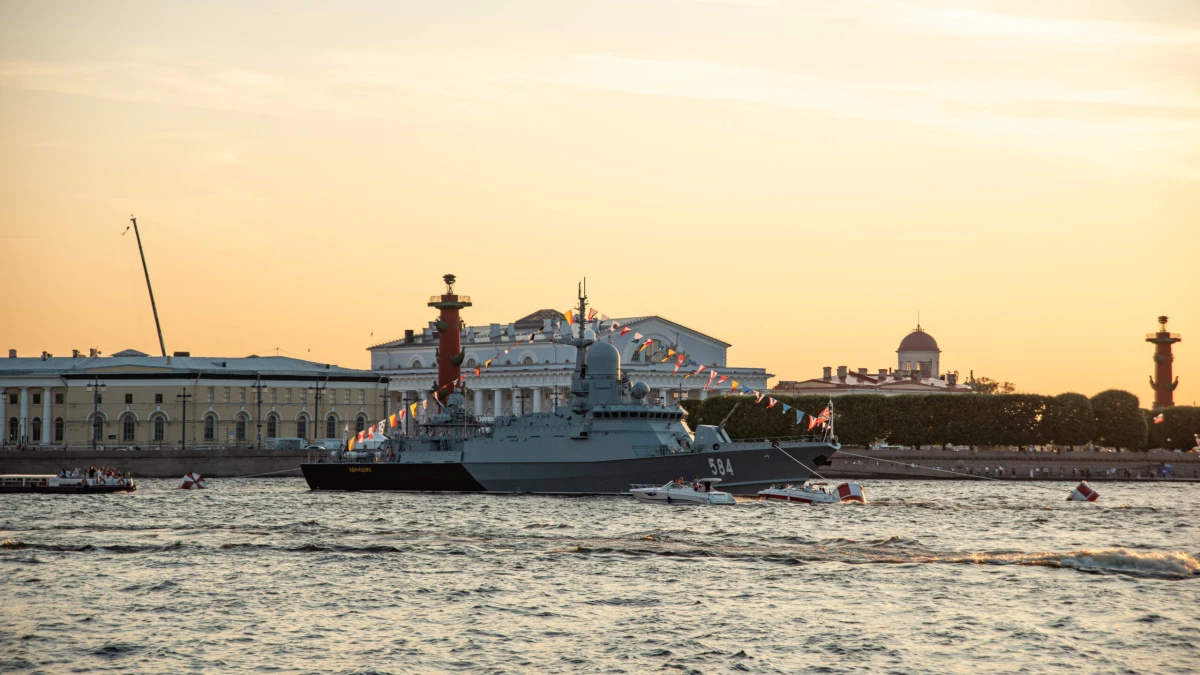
(263, 575)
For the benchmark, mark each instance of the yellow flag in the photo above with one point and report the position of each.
(412, 410)
(570, 316)
(351, 443)
(670, 352)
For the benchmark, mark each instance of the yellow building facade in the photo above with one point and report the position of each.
(131, 399)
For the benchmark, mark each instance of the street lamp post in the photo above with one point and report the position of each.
(183, 398)
(258, 387)
(318, 393)
(96, 388)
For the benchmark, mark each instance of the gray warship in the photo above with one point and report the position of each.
(608, 436)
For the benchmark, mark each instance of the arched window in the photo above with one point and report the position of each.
(127, 428)
(416, 363)
(331, 427)
(527, 361)
(97, 428)
(13, 427)
(302, 428)
(471, 362)
(360, 423)
(36, 430)
(160, 429)
(59, 430)
(239, 428)
(272, 426)
(210, 428)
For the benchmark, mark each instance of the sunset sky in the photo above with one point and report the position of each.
(797, 178)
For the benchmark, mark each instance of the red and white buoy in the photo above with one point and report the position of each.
(192, 481)
(850, 492)
(1083, 493)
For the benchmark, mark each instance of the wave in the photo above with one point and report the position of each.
(1176, 565)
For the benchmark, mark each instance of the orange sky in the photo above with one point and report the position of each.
(798, 179)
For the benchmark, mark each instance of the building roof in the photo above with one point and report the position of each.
(249, 366)
(536, 319)
(855, 380)
(918, 341)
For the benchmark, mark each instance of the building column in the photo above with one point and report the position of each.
(537, 400)
(479, 403)
(47, 423)
(703, 394)
(665, 395)
(23, 423)
(518, 396)
(3, 416)
(497, 401)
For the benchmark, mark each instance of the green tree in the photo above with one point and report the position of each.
(986, 385)
(1119, 421)
(1178, 429)
(1069, 420)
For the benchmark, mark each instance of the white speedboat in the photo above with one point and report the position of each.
(700, 492)
(815, 493)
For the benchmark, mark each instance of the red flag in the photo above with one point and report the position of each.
(476, 371)
(591, 314)
(771, 402)
(624, 330)
(812, 422)
(360, 437)
(372, 434)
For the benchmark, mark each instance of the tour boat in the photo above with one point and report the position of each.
(72, 485)
(675, 493)
(815, 493)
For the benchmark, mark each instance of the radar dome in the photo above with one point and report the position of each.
(603, 360)
(640, 390)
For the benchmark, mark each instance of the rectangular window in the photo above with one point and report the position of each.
(58, 400)
(225, 395)
(362, 396)
(128, 399)
(287, 395)
(99, 398)
(12, 399)
(274, 395)
(346, 396)
(158, 398)
(241, 394)
(303, 397)
(212, 396)
(37, 400)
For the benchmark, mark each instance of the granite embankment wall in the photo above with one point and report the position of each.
(1062, 465)
(162, 463)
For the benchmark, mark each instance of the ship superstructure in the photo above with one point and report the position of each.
(609, 434)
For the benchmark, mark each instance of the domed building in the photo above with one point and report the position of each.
(918, 371)
(919, 352)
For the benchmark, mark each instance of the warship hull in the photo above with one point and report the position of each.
(742, 471)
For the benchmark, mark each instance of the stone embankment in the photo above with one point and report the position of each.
(964, 465)
(212, 462)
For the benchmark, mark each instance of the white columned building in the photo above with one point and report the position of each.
(47, 420)
(535, 376)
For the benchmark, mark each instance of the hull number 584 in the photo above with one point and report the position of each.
(720, 466)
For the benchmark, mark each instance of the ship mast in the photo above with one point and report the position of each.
(146, 270)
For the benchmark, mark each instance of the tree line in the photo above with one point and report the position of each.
(1111, 418)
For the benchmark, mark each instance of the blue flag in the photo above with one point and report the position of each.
(799, 416)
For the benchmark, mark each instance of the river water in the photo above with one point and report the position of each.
(262, 575)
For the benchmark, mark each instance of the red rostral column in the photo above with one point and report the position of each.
(1164, 388)
(450, 354)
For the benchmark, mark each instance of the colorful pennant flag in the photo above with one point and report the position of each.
(733, 387)
(624, 330)
(771, 403)
(758, 396)
(812, 422)
(799, 416)
(570, 316)
(591, 314)
(412, 411)
(786, 407)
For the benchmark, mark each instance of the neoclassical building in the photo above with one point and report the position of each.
(917, 371)
(131, 399)
(533, 376)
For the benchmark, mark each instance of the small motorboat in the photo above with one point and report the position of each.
(677, 493)
(815, 493)
(66, 484)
